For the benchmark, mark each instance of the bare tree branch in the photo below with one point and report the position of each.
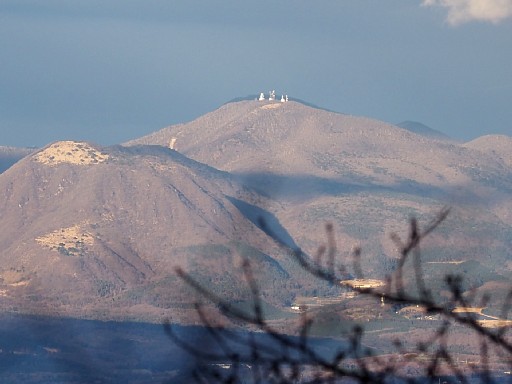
(280, 358)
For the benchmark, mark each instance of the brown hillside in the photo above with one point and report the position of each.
(365, 176)
(499, 145)
(100, 230)
(291, 138)
(82, 225)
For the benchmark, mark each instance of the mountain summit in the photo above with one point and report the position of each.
(84, 225)
(98, 231)
(365, 176)
(249, 137)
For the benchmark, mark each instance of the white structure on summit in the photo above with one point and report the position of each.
(272, 97)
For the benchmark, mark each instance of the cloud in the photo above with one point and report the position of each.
(463, 11)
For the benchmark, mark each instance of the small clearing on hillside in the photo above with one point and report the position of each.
(271, 106)
(494, 323)
(456, 262)
(69, 241)
(13, 278)
(364, 283)
(71, 152)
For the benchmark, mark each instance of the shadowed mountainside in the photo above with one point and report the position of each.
(365, 176)
(84, 227)
(99, 231)
(290, 138)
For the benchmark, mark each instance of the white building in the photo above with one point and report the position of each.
(272, 96)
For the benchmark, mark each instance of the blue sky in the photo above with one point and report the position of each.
(109, 71)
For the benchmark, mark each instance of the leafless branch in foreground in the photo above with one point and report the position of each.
(265, 355)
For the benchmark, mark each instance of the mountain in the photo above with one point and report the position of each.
(91, 231)
(98, 232)
(422, 129)
(10, 155)
(364, 176)
(251, 137)
(499, 145)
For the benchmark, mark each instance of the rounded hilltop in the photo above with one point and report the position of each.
(71, 152)
(289, 137)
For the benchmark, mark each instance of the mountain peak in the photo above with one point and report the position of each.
(422, 129)
(71, 152)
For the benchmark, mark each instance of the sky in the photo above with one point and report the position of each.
(112, 70)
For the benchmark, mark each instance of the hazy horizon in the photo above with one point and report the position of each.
(115, 71)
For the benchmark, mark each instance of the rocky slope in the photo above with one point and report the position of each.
(83, 226)
(100, 230)
(251, 138)
(365, 176)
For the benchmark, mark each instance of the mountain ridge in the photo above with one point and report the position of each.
(83, 223)
(292, 138)
(324, 166)
(85, 226)
(422, 129)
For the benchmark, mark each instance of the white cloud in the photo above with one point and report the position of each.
(463, 11)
